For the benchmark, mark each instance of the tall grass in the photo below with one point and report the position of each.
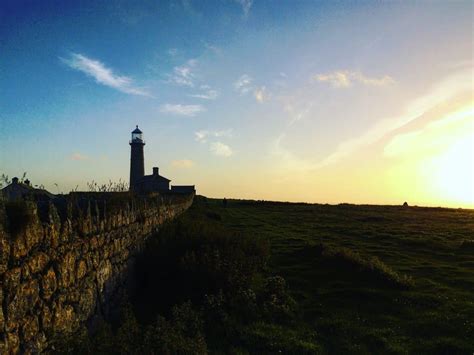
(369, 266)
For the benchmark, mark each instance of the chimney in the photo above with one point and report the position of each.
(15, 180)
(155, 171)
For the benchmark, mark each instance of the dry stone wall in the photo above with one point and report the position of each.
(62, 261)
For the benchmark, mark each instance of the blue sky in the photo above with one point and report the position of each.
(257, 99)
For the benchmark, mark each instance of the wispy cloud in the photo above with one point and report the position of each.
(182, 110)
(103, 75)
(203, 135)
(246, 5)
(436, 136)
(346, 78)
(182, 164)
(297, 111)
(286, 158)
(243, 84)
(221, 149)
(184, 75)
(213, 48)
(456, 84)
(207, 94)
(261, 94)
(172, 52)
(78, 156)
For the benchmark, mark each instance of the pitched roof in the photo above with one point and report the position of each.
(20, 189)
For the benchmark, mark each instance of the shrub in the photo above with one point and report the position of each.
(129, 338)
(182, 334)
(204, 258)
(276, 302)
(103, 341)
(244, 305)
(71, 343)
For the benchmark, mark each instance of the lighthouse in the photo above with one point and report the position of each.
(154, 183)
(137, 159)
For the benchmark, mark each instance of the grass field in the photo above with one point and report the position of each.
(341, 294)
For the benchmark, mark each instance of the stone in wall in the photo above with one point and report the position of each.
(48, 283)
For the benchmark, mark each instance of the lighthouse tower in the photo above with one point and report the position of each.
(137, 160)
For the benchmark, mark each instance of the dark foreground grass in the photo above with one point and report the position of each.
(248, 277)
(200, 288)
(368, 279)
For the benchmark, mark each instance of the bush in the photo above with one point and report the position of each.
(276, 302)
(190, 260)
(129, 337)
(77, 343)
(182, 334)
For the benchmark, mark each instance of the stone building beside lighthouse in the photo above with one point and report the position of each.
(141, 183)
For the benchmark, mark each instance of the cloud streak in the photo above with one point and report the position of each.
(220, 149)
(182, 164)
(261, 94)
(103, 75)
(182, 110)
(297, 113)
(213, 48)
(243, 84)
(456, 84)
(203, 135)
(246, 5)
(184, 75)
(434, 136)
(78, 157)
(345, 79)
(207, 94)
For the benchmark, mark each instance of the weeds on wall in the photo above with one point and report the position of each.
(111, 186)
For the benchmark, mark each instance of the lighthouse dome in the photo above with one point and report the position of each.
(137, 130)
(137, 135)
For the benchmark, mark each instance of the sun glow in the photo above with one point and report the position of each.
(452, 167)
(436, 162)
(453, 173)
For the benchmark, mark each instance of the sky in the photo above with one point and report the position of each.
(328, 102)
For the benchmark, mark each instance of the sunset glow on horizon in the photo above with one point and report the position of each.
(368, 103)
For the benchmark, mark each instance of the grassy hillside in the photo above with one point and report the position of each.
(350, 309)
(259, 277)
